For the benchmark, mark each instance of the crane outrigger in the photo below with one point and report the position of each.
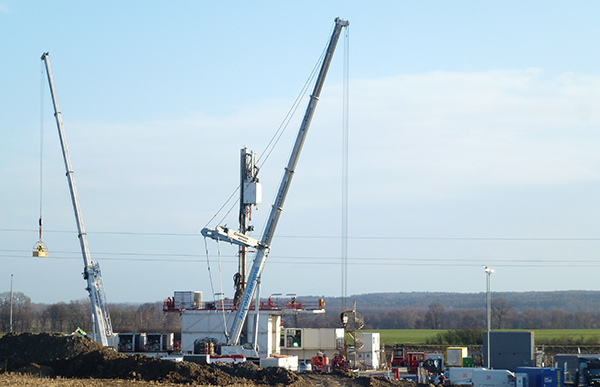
(102, 326)
(263, 246)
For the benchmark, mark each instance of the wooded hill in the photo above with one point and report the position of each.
(570, 301)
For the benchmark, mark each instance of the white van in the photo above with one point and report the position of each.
(493, 378)
(462, 375)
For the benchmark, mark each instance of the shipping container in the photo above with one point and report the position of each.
(187, 300)
(542, 377)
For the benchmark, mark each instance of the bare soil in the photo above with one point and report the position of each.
(57, 360)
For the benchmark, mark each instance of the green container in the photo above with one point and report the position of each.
(467, 362)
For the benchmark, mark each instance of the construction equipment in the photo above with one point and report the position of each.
(339, 363)
(320, 363)
(263, 246)
(414, 360)
(102, 327)
(399, 356)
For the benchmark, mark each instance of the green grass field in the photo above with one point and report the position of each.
(542, 336)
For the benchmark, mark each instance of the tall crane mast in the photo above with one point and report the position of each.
(250, 195)
(102, 327)
(221, 233)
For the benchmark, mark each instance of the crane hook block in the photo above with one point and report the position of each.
(40, 250)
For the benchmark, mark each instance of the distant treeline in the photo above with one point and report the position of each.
(571, 301)
(67, 317)
(526, 310)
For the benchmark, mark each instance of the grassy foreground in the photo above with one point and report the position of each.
(542, 336)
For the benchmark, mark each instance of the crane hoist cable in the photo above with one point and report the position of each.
(223, 321)
(346, 98)
(40, 249)
(264, 156)
(212, 286)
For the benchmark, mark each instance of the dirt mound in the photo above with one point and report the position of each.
(103, 365)
(270, 375)
(80, 357)
(17, 351)
(83, 358)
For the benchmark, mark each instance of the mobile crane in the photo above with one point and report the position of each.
(263, 246)
(102, 326)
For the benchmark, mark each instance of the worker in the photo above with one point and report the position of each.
(270, 302)
(439, 381)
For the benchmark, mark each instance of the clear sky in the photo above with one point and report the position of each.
(473, 140)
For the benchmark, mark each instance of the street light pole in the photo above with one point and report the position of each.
(488, 303)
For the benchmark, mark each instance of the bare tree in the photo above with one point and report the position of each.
(123, 317)
(501, 313)
(22, 316)
(79, 315)
(434, 315)
(150, 317)
(58, 315)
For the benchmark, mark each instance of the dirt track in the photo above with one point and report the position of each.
(77, 361)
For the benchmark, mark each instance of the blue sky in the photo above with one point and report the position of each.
(473, 138)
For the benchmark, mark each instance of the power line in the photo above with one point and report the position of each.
(324, 260)
(559, 239)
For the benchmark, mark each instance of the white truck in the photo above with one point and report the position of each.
(480, 377)
(462, 376)
(493, 378)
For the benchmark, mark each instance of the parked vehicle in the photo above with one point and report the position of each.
(579, 370)
(461, 375)
(493, 378)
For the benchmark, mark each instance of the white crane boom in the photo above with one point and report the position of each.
(102, 326)
(264, 245)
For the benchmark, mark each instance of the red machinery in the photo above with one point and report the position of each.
(320, 363)
(413, 361)
(399, 356)
(339, 363)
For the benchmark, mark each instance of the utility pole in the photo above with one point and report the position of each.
(11, 303)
